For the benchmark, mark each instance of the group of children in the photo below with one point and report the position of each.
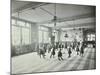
(79, 49)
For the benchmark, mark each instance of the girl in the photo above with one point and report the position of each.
(60, 55)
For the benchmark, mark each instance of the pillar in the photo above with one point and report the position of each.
(34, 36)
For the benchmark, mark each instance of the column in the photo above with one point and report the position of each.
(34, 36)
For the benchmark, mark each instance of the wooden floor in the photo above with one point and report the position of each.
(32, 63)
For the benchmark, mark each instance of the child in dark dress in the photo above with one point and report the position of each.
(52, 53)
(82, 50)
(77, 50)
(69, 52)
(42, 52)
(60, 55)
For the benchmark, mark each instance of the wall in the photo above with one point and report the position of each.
(34, 36)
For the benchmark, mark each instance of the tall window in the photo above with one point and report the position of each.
(15, 35)
(25, 36)
(21, 32)
(43, 35)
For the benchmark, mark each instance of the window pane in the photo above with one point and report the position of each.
(25, 36)
(40, 36)
(13, 21)
(88, 36)
(93, 37)
(46, 37)
(15, 35)
(28, 25)
(21, 23)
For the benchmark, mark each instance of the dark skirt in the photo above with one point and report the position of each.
(53, 53)
(59, 54)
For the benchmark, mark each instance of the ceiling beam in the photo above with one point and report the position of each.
(29, 6)
(88, 15)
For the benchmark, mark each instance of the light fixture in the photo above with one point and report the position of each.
(66, 35)
(54, 19)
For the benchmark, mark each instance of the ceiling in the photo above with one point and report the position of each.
(68, 15)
